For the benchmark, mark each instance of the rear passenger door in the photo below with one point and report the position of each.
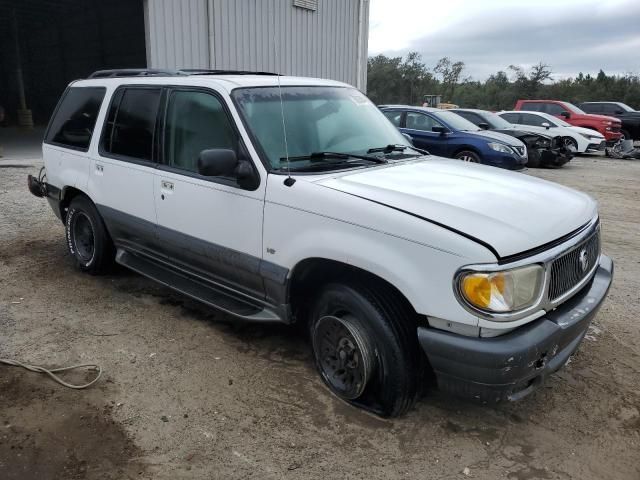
(122, 172)
(208, 225)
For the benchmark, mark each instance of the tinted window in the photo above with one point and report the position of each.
(511, 117)
(593, 107)
(554, 109)
(533, 106)
(419, 121)
(130, 126)
(75, 117)
(394, 116)
(196, 121)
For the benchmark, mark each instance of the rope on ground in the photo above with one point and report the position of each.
(52, 372)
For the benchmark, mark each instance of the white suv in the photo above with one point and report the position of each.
(295, 200)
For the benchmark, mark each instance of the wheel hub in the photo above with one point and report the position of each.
(83, 237)
(343, 354)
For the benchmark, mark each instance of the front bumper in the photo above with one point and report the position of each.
(612, 136)
(511, 366)
(596, 147)
(505, 160)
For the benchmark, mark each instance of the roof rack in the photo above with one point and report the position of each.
(150, 72)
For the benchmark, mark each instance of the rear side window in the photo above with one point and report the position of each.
(131, 123)
(533, 120)
(394, 116)
(74, 120)
(533, 106)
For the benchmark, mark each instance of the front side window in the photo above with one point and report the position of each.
(554, 109)
(195, 121)
(420, 121)
(75, 119)
(534, 120)
(131, 123)
(317, 119)
(513, 118)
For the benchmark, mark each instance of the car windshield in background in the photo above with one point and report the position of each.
(338, 120)
(575, 109)
(496, 120)
(455, 121)
(625, 107)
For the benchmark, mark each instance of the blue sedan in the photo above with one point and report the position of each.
(447, 134)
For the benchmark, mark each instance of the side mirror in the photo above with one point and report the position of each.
(618, 112)
(565, 114)
(440, 129)
(546, 125)
(408, 137)
(484, 126)
(217, 162)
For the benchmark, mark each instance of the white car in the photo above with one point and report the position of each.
(283, 199)
(583, 140)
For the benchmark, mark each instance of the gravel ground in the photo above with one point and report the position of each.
(185, 394)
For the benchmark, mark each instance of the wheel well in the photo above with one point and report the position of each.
(311, 274)
(68, 194)
(469, 148)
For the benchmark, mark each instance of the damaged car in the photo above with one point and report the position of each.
(543, 150)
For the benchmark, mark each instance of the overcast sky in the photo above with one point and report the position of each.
(489, 35)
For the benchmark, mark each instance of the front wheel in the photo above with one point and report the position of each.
(87, 238)
(468, 156)
(365, 347)
(571, 144)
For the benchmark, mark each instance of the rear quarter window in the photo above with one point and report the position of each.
(75, 117)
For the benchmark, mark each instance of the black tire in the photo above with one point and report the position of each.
(87, 238)
(625, 135)
(533, 159)
(568, 141)
(468, 156)
(385, 326)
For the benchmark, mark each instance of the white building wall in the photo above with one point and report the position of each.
(261, 35)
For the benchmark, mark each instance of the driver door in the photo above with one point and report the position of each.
(208, 225)
(419, 127)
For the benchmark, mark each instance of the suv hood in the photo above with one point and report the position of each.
(509, 211)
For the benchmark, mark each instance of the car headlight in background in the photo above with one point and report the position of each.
(503, 291)
(499, 147)
(592, 137)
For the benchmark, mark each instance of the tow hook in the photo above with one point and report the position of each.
(37, 187)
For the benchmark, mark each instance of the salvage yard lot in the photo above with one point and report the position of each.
(185, 394)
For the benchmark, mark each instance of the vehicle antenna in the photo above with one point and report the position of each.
(288, 181)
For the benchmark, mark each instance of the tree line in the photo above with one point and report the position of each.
(398, 80)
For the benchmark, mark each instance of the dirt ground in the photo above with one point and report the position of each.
(187, 395)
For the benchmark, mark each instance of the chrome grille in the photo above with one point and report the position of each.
(572, 267)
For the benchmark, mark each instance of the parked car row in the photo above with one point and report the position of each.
(545, 133)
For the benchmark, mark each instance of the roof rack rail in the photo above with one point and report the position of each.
(204, 71)
(135, 72)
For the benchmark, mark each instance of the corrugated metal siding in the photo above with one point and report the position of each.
(268, 35)
(177, 33)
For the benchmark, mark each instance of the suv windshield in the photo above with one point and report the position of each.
(339, 120)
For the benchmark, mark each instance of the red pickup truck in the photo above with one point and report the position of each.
(608, 126)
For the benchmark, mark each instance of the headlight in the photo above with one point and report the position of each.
(501, 292)
(499, 147)
(591, 137)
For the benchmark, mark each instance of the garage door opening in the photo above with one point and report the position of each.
(45, 44)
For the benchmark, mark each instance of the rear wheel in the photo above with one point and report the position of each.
(468, 156)
(87, 238)
(365, 347)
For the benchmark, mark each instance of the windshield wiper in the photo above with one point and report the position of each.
(396, 148)
(319, 156)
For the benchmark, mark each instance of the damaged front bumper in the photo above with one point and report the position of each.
(513, 365)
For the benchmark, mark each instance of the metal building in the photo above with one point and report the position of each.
(44, 44)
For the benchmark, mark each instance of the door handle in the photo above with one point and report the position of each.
(167, 186)
(99, 169)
